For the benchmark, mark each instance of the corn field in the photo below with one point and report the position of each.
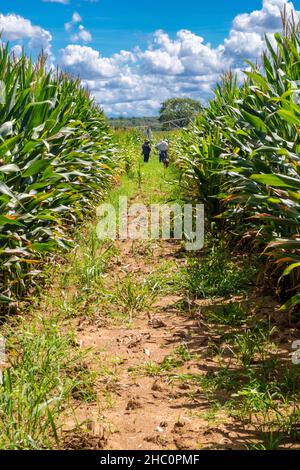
(56, 159)
(192, 326)
(241, 158)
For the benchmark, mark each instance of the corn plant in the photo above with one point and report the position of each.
(56, 161)
(241, 157)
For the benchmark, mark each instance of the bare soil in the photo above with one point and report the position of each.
(147, 397)
(143, 409)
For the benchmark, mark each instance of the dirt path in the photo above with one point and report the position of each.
(142, 405)
(161, 374)
(145, 399)
(136, 345)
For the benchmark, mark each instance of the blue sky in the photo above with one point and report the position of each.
(116, 24)
(170, 48)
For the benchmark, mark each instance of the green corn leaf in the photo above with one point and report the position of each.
(4, 298)
(35, 167)
(256, 121)
(279, 181)
(4, 220)
(289, 117)
(290, 268)
(295, 300)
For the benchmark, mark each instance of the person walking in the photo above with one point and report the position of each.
(146, 150)
(163, 148)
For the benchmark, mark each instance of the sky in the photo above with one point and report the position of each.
(134, 55)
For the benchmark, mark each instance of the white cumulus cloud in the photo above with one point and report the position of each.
(268, 19)
(85, 62)
(78, 31)
(136, 82)
(82, 35)
(16, 28)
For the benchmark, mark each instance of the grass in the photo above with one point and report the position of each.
(133, 296)
(158, 184)
(116, 301)
(45, 372)
(254, 386)
(249, 379)
(233, 314)
(150, 183)
(218, 274)
(251, 383)
(253, 401)
(249, 344)
(48, 375)
(168, 277)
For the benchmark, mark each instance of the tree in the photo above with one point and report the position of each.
(179, 110)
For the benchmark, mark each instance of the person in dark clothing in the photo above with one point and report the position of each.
(146, 150)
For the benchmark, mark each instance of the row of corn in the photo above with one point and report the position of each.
(242, 159)
(56, 160)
